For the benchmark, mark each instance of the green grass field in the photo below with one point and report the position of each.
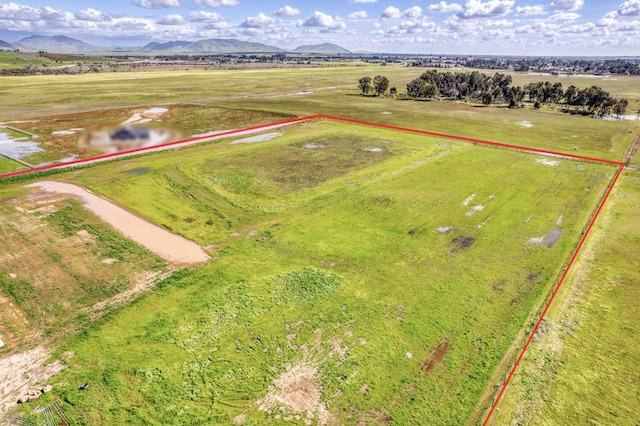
(330, 90)
(330, 276)
(585, 366)
(330, 285)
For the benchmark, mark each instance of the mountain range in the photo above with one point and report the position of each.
(64, 44)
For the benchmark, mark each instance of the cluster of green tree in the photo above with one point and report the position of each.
(378, 86)
(570, 65)
(497, 88)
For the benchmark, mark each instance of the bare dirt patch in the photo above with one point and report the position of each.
(21, 371)
(435, 356)
(461, 243)
(169, 246)
(296, 392)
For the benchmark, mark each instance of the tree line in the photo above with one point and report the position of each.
(497, 88)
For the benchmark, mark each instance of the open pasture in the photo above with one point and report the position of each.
(213, 95)
(361, 275)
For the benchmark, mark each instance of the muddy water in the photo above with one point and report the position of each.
(168, 246)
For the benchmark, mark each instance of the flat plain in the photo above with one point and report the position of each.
(360, 275)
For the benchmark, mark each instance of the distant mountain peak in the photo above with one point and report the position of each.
(217, 45)
(57, 44)
(321, 48)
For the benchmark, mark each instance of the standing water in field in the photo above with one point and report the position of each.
(17, 149)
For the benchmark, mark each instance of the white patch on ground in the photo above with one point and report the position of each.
(165, 244)
(133, 119)
(386, 113)
(619, 117)
(443, 229)
(68, 159)
(156, 111)
(528, 219)
(313, 145)
(409, 355)
(109, 261)
(303, 93)
(484, 223)
(259, 138)
(475, 210)
(1, 342)
(372, 149)
(18, 150)
(552, 163)
(63, 132)
(77, 129)
(469, 199)
(559, 221)
(526, 124)
(491, 197)
(143, 117)
(548, 240)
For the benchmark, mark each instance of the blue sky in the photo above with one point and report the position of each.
(516, 27)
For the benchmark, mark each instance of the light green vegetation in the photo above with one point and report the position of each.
(14, 133)
(23, 59)
(59, 260)
(585, 368)
(335, 92)
(7, 165)
(403, 324)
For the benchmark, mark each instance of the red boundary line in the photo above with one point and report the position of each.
(398, 128)
(152, 148)
(553, 295)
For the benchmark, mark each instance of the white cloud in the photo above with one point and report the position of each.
(215, 3)
(477, 9)
(499, 23)
(18, 12)
(93, 15)
(259, 21)
(172, 20)
(563, 17)
(50, 14)
(156, 4)
(326, 23)
(202, 16)
(567, 5)
(444, 7)
(362, 1)
(578, 29)
(391, 12)
(287, 11)
(531, 10)
(412, 12)
(361, 14)
(411, 27)
(630, 8)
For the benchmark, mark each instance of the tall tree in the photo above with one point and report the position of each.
(416, 88)
(380, 84)
(365, 85)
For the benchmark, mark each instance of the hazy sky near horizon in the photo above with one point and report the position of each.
(505, 27)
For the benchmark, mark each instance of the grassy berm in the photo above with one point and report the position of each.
(361, 276)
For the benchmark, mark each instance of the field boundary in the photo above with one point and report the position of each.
(487, 143)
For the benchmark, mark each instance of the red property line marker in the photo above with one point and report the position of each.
(553, 295)
(620, 165)
(155, 147)
(472, 140)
